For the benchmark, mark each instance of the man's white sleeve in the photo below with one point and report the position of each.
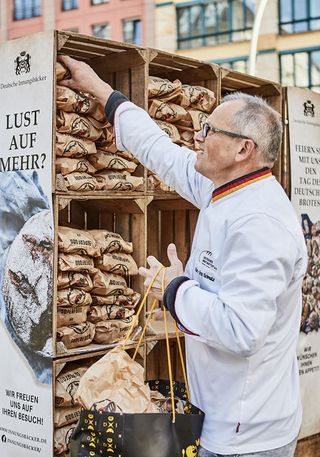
(257, 265)
(136, 132)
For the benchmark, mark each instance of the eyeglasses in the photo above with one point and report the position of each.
(208, 128)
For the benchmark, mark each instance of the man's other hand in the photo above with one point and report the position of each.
(175, 269)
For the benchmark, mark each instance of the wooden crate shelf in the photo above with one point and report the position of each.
(124, 216)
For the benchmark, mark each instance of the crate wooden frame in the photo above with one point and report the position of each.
(189, 71)
(125, 216)
(128, 75)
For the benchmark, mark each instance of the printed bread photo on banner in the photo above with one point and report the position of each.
(26, 268)
(310, 319)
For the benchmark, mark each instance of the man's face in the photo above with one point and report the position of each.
(219, 154)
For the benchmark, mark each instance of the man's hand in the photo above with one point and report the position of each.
(84, 79)
(175, 269)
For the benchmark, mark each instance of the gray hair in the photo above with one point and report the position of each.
(259, 121)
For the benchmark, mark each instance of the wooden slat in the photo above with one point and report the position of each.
(77, 215)
(193, 218)
(167, 234)
(124, 206)
(82, 53)
(106, 221)
(79, 41)
(138, 236)
(308, 447)
(180, 239)
(93, 220)
(139, 86)
(187, 76)
(170, 201)
(122, 82)
(103, 194)
(122, 60)
(152, 363)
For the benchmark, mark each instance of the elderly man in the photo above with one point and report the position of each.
(238, 300)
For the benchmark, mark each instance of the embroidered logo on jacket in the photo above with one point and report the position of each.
(207, 260)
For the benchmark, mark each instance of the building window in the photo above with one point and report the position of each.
(132, 31)
(213, 22)
(235, 64)
(98, 2)
(301, 69)
(101, 30)
(298, 15)
(25, 9)
(69, 5)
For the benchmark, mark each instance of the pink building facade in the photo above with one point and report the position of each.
(121, 20)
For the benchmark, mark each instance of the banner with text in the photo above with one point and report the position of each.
(26, 245)
(304, 136)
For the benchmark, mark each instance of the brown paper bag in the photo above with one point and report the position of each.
(170, 130)
(167, 112)
(83, 182)
(107, 133)
(128, 301)
(165, 403)
(73, 297)
(163, 88)
(197, 97)
(107, 146)
(111, 242)
(67, 383)
(66, 416)
(69, 165)
(75, 262)
(154, 182)
(77, 102)
(119, 264)
(62, 72)
(186, 137)
(111, 148)
(71, 146)
(77, 241)
(71, 315)
(74, 124)
(107, 312)
(76, 280)
(120, 181)
(62, 438)
(109, 284)
(112, 331)
(198, 119)
(104, 160)
(124, 386)
(76, 336)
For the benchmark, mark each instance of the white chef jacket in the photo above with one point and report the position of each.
(242, 304)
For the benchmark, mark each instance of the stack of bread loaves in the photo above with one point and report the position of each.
(93, 300)
(87, 158)
(67, 409)
(180, 110)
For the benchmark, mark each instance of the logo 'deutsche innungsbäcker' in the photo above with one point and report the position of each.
(308, 108)
(22, 63)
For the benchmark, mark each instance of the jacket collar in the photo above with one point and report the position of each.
(239, 183)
